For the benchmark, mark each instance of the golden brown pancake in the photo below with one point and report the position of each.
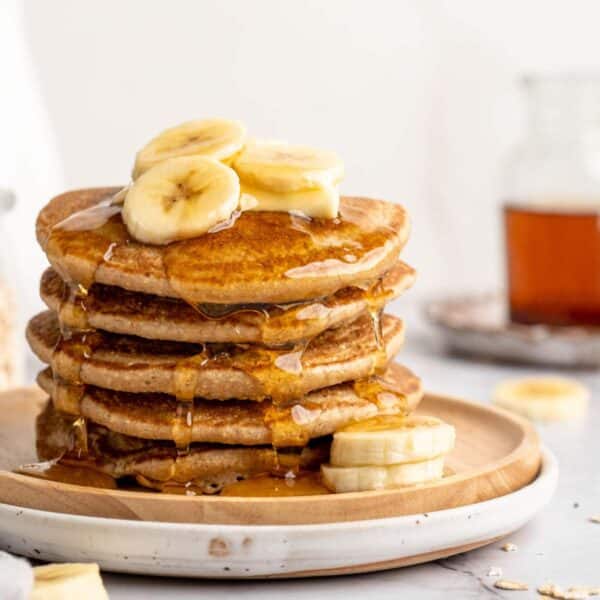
(155, 317)
(262, 257)
(207, 466)
(150, 416)
(269, 307)
(247, 372)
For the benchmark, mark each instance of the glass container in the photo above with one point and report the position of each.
(552, 205)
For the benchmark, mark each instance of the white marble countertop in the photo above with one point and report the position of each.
(561, 545)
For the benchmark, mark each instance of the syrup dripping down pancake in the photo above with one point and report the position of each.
(205, 468)
(262, 257)
(247, 372)
(320, 413)
(154, 317)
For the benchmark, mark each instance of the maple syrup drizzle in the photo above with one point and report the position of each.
(73, 307)
(106, 232)
(71, 351)
(53, 470)
(226, 223)
(301, 484)
(75, 346)
(285, 478)
(279, 372)
(381, 394)
(285, 430)
(263, 485)
(188, 488)
(67, 397)
(77, 447)
(185, 379)
(276, 317)
(376, 297)
(103, 224)
(103, 221)
(80, 435)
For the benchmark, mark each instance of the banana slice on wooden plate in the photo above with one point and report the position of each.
(391, 440)
(362, 479)
(388, 451)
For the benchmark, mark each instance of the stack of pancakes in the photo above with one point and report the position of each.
(220, 358)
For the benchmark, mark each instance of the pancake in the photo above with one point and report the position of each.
(155, 317)
(260, 257)
(215, 372)
(205, 468)
(150, 416)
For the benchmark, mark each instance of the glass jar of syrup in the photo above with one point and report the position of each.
(552, 205)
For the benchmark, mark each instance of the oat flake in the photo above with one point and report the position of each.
(507, 584)
(508, 547)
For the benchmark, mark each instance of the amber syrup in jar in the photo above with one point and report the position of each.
(552, 208)
(553, 263)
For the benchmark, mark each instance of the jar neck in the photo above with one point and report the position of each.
(563, 109)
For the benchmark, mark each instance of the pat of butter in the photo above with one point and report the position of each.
(69, 581)
(319, 203)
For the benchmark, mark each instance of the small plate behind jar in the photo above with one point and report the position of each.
(479, 326)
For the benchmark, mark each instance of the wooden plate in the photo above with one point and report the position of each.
(496, 453)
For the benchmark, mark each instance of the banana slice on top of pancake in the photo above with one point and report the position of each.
(220, 139)
(276, 176)
(180, 198)
(282, 167)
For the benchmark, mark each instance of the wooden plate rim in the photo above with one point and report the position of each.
(529, 446)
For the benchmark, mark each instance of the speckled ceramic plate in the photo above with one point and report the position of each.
(478, 326)
(264, 551)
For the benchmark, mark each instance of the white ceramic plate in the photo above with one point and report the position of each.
(241, 551)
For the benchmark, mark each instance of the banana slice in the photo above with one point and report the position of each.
(360, 479)
(543, 398)
(72, 581)
(180, 198)
(281, 167)
(220, 139)
(390, 440)
(319, 203)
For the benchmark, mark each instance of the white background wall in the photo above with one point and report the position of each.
(417, 96)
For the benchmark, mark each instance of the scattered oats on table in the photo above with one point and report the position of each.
(590, 590)
(551, 590)
(508, 547)
(507, 584)
(494, 572)
(579, 592)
